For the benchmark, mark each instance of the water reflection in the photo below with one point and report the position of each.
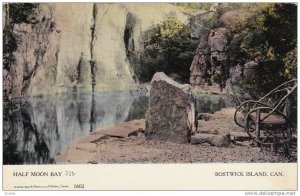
(35, 132)
(138, 108)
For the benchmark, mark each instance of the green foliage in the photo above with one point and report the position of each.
(262, 80)
(244, 7)
(9, 46)
(22, 12)
(194, 6)
(268, 36)
(169, 50)
(16, 13)
(281, 27)
(290, 64)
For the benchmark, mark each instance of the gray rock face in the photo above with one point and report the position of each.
(200, 66)
(235, 76)
(171, 112)
(217, 40)
(239, 72)
(81, 47)
(200, 24)
(35, 67)
(6, 84)
(230, 17)
(249, 69)
(212, 53)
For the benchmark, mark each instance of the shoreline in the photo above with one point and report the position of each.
(126, 143)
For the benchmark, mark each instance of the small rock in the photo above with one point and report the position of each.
(246, 144)
(216, 140)
(99, 139)
(204, 116)
(92, 162)
(240, 136)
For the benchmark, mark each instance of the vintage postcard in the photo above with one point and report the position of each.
(149, 96)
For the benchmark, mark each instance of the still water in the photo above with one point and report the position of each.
(37, 131)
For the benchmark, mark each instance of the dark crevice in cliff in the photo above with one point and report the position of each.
(126, 39)
(93, 37)
(128, 35)
(79, 68)
(132, 56)
(93, 28)
(56, 64)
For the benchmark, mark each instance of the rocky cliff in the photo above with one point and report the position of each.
(80, 47)
(210, 64)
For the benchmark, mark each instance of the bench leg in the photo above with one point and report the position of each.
(289, 137)
(257, 125)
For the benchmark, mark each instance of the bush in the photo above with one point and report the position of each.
(262, 81)
(268, 37)
(290, 64)
(16, 13)
(194, 6)
(169, 50)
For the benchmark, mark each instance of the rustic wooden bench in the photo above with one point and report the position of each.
(267, 120)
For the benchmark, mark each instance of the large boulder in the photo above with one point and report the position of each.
(171, 112)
